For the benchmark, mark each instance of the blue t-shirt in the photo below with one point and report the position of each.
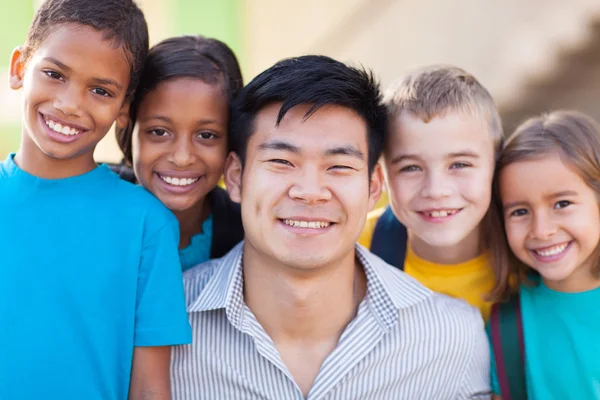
(562, 349)
(198, 251)
(88, 270)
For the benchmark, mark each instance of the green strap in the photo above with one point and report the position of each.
(507, 342)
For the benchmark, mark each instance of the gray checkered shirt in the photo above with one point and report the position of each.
(406, 342)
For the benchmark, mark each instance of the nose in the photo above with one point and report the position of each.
(308, 187)
(68, 101)
(182, 154)
(436, 185)
(542, 227)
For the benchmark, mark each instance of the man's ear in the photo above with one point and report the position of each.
(17, 69)
(123, 117)
(233, 177)
(375, 186)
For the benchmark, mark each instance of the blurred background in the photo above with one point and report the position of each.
(533, 55)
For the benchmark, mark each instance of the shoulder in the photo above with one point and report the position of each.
(412, 297)
(195, 279)
(133, 207)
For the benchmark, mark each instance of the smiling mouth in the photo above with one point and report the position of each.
(61, 128)
(181, 182)
(440, 213)
(552, 250)
(307, 224)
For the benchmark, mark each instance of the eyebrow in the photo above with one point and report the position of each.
(280, 145)
(552, 196)
(402, 157)
(170, 121)
(57, 63)
(457, 154)
(463, 153)
(99, 81)
(345, 151)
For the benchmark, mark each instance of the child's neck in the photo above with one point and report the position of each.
(581, 280)
(468, 249)
(31, 160)
(190, 221)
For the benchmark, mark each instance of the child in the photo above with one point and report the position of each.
(179, 144)
(439, 163)
(84, 314)
(549, 185)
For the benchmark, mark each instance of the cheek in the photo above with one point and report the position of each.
(214, 158)
(403, 189)
(145, 155)
(477, 188)
(516, 235)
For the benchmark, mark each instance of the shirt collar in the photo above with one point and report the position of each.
(388, 289)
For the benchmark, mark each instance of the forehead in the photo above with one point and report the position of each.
(534, 179)
(84, 50)
(450, 133)
(328, 127)
(188, 97)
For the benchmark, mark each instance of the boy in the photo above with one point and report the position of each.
(439, 157)
(84, 313)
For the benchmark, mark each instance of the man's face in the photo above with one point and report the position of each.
(305, 189)
(74, 86)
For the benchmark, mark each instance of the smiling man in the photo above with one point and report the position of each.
(298, 310)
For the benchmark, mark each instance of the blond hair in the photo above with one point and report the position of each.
(433, 91)
(575, 137)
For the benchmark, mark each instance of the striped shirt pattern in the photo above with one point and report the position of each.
(406, 342)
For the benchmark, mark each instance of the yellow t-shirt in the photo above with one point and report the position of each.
(470, 280)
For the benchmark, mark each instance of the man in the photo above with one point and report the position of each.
(298, 310)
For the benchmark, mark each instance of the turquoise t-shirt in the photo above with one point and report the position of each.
(198, 251)
(88, 270)
(562, 348)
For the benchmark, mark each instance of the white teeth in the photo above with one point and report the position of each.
(62, 129)
(178, 181)
(441, 213)
(307, 224)
(552, 251)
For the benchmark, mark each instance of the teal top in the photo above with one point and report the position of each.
(562, 344)
(88, 270)
(198, 251)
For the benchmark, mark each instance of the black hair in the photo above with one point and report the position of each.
(209, 60)
(314, 80)
(121, 22)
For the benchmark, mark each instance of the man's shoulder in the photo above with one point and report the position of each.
(411, 295)
(197, 278)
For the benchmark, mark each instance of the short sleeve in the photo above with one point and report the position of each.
(161, 317)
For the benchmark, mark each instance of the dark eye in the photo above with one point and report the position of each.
(410, 168)
(459, 165)
(562, 204)
(53, 74)
(207, 135)
(101, 92)
(519, 213)
(280, 161)
(158, 132)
